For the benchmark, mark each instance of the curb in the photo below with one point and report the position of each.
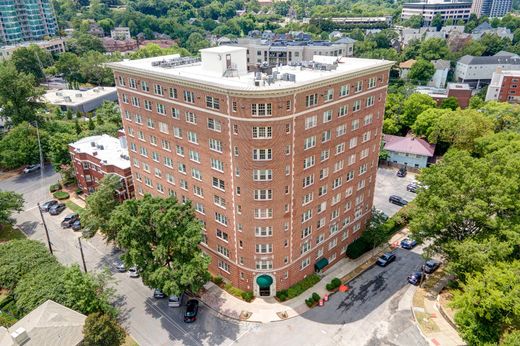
(417, 323)
(220, 314)
(438, 305)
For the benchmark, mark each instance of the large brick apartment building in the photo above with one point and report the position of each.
(280, 167)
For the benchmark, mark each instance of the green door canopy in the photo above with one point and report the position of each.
(322, 263)
(264, 281)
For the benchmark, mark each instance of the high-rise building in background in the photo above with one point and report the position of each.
(26, 20)
(491, 8)
(428, 9)
(279, 164)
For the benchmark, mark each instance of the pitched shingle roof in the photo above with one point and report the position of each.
(408, 145)
(504, 58)
(407, 63)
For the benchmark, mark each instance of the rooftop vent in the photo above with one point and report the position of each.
(20, 336)
(171, 63)
(93, 144)
(100, 147)
(67, 99)
(79, 95)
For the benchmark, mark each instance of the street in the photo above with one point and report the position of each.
(387, 184)
(375, 311)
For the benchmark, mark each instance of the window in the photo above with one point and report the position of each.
(340, 148)
(263, 213)
(368, 119)
(223, 250)
(344, 90)
(327, 116)
(264, 264)
(198, 191)
(189, 96)
(194, 156)
(263, 195)
(170, 178)
(324, 155)
(366, 137)
(311, 100)
(363, 168)
(307, 215)
(329, 95)
(121, 80)
(359, 86)
(353, 142)
(177, 132)
(262, 154)
(306, 247)
(265, 231)
(222, 235)
(308, 180)
(343, 110)
(333, 243)
(308, 162)
(168, 162)
(135, 101)
(305, 263)
(218, 183)
(223, 265)
(262, 132)
(175, 113)
(191, 118)
(306, 231)
(261, 109)
(372, 83)
(222, 219)
(217, 165)
(338, 166)
(324, 173)
(199, 207)
(311, 122)
(155, 156)
(322, 190)
(321, 207)
(183, 184)
(214, 125)
(341, 130)
(192, 137)
(195, 173)
(336, 183)
(288, 105)
(355, 124)
(215, 145)
(364, 153)
(234, 106)
(148, 105)
(212, 102)
(310, 142)
(220, 201)
(173, 93)
(307, 198)
(180, 150)
(262, 174)
(357, 106)
(326, 136)
(158, 89)
(161, 109)
(370, 101)
(264, 248)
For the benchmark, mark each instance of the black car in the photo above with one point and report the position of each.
(192, 307)
(401, 173)
(385, 259)
(69, 220)
(157, 294)
(413, 187)
(415, 278)
(48, 205)
(76, 226)
(57, 209)
(430, 266)
(397, 200)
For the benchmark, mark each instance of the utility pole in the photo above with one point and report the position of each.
(82, 256)
(46, 230)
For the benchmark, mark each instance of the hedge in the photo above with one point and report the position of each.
(55, 187)
(248, 296)
(298, 288)
(61, 195)
(333, 284)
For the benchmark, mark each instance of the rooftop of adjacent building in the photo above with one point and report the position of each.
(71, 97)
(408, 145)
(42, 43)
(441, 92)
(212, 69)
(501, 57)
(106, 148)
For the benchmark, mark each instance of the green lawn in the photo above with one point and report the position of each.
(7, 232)
(73, 206)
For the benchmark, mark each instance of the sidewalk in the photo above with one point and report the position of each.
(268, 309)
(431, 322)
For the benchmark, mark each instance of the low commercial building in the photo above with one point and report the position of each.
(111, 45)
(462, 92)
(478, 70)
(385, 20)
(428, 9)
(120, 33)
(96, 156)
(54, 46)
(82, 101)
(50, 324)
(408, 151)
(504, 87)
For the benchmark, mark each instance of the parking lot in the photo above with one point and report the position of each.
(388, 183)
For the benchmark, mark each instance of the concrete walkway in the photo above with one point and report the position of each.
(431, 322)
(268, 309)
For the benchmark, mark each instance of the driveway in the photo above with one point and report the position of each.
(388, 183)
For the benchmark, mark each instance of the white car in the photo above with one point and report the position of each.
(31, 168)
(120, 266)
(174, 301)
(133, 272)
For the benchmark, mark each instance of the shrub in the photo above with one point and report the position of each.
(247, 296)
(61, 195)
(329, 287)
(358, 247)
(309, 302)
(218, 280)
(335, 282)
(302, 286)
(79, 191)
(316, 297)
(55, 187)
(281, 295)
(6, 320)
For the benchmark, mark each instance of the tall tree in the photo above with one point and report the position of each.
(20, 146)
(421, 72)
(102, 330)
(415, 105)
(32, 60)
(10, 202)
(19, 97)
(450, 103)
(434, 48)
(69, 65)
(100, 206)
(161, 237)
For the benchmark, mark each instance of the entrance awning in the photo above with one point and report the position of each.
(322, 263)
(264, 281)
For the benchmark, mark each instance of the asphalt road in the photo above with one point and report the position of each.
(387, 184)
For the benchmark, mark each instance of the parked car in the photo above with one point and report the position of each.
(88, 233)
(157, 294)
(133, 272)
(174, 301)
(397, 200)
(401, 173)
(408, 243)
(57, 209)
(69, 220)
(385, 259)
(192, 308)
(413, 187)
(31, 168)
(47, 205)
(120, 266)
(415, 278)
(431, 265)
(382, 213)
(76, 226)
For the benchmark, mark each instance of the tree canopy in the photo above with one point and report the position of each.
(9, 203)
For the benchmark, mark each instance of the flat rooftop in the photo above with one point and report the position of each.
(70, 97)
(194, 72)
(108, 149)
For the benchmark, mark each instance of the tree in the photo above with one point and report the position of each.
(489, 303)
(152, 50)
(437, 21)
(101, 204)
(505, 116)
(91, 124)
(450, 103)
(426, 122)
(475, 102)
(415, 105)
(433, 49)
(494, 43)
(69, 65)
(422, 71)
(18, 95)
(19, 146)
(414, 21)
(161, 237)
(83, 43)
(102, 330)
(196, 42)
(58, 148)
(32, 60)
(9, 202)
